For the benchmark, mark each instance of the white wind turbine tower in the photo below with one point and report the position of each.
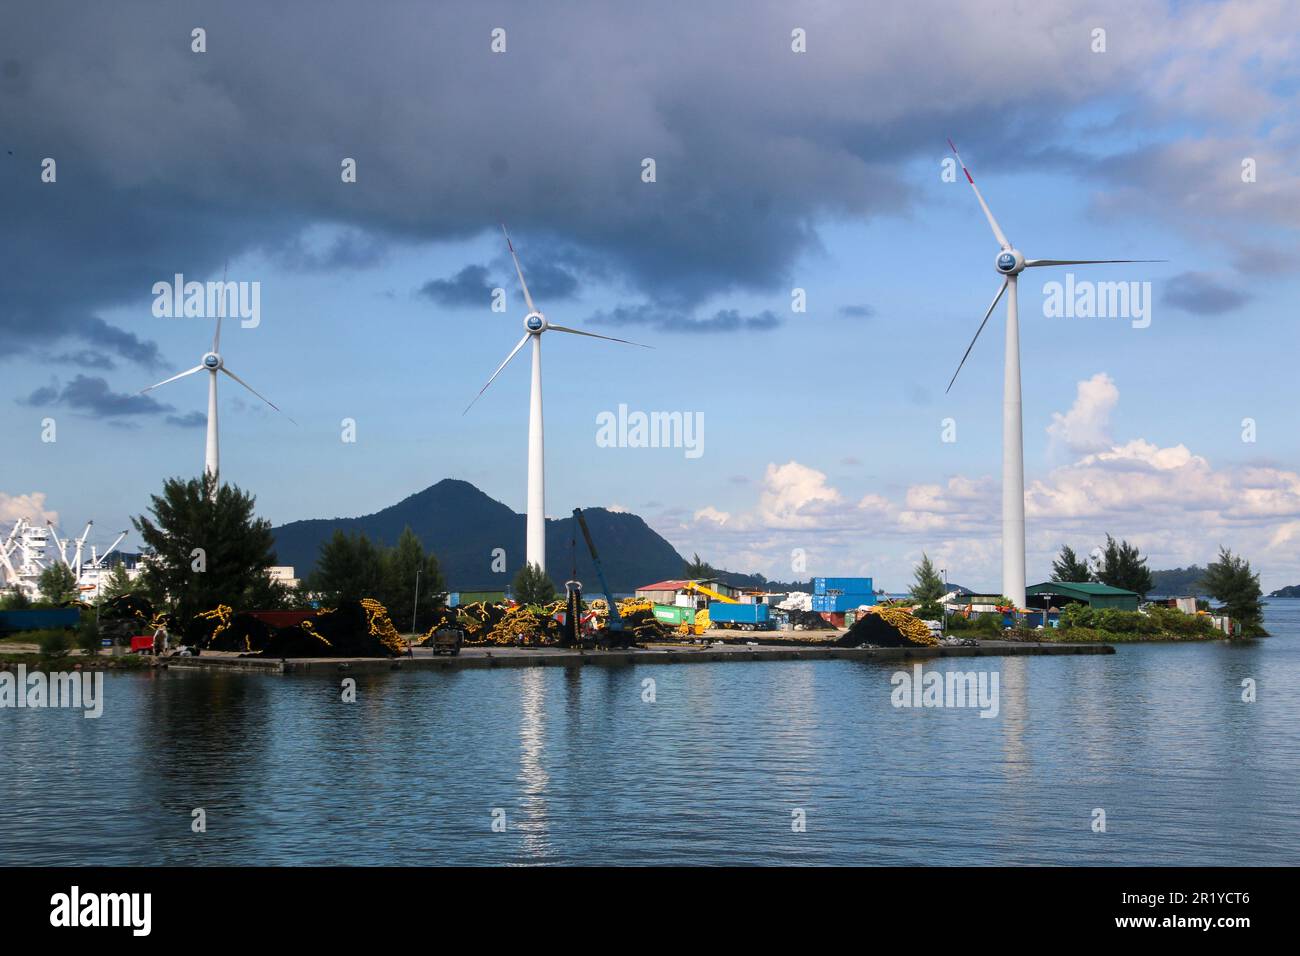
(535, 323)
(1010, 262)
(212, 363)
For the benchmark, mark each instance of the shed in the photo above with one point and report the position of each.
(1059, 593)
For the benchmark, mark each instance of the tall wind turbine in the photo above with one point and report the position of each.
(1010, 262)
(212, 363)
(535, 323)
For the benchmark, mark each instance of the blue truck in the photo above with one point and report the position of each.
(740, 617)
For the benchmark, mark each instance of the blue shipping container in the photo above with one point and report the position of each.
(837, 603)
(51, 618)
(842, 586)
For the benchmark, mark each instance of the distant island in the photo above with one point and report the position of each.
(1175, 582)
(1291, 591)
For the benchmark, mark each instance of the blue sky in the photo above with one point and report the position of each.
(822, 433)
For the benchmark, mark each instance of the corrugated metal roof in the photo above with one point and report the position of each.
(1082, 587)
(664, 586)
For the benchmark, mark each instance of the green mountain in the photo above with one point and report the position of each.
(1290, 591)
(1177, 582)
(463, 526)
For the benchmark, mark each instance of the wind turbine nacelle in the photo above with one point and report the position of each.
(1009, 262)
(211, 361)
(535, 323)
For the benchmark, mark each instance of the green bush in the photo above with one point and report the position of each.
(54, 643)
(88, 637)
(1153, 622)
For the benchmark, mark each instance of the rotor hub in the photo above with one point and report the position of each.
(535, 323)
(1009, 262)
(212, 361)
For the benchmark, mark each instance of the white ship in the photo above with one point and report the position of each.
(26, 552)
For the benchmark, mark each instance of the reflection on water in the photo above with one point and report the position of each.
(532, 775)
(589, 772)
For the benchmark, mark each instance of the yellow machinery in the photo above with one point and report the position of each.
(709, 592)
(701, 623)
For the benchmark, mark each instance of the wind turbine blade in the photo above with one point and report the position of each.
(607, 338)
(216, 339)
(197, 368)
(988, 214)
(1030, 263)
(513, 352)
(518, 271)
(255, 392)
(996, 299)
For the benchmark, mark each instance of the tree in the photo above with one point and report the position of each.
(57, 583)
(116, 584)
(1069, 568)
(15, 600)
(1124, 567)
(928, 586)
(532, 586)
(349, 568)
(400, 565)
(699, 570)
(1230, 581)
(352, 567)
(207, 547)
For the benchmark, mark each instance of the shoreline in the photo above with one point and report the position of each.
(495, 657)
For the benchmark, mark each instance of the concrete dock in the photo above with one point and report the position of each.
(486, 657)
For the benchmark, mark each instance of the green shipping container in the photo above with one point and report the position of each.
(671, 614)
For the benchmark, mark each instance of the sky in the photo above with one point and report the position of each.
(806, 264)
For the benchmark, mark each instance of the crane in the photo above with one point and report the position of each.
(616, 633)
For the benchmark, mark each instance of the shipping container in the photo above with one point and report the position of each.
(673, 615)
(842, 586)
(39, 619)
(842, 602)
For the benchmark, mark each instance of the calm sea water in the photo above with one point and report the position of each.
(711, 772)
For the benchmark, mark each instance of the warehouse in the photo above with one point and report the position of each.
(1058, 594)
(667, 592)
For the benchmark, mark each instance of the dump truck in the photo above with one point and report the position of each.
(740, 617)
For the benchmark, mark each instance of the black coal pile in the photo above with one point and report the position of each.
(350, 630)
(809, 621)
(125, 616)
(353, 629)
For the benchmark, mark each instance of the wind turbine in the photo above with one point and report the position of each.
(535, 323)
(1010, 262)
(212, 363)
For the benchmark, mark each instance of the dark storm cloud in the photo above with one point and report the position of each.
(668, 319)
(1202, 294)
(174, 161)
(188, 420)
(351, 249)
(92, 396)
(469, 286)
(85, 358)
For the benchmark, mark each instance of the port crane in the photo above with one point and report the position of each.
(615, 633)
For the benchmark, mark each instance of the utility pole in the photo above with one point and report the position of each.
(415, 611)
(944, 572)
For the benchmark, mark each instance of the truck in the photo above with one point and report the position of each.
(740, 617)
